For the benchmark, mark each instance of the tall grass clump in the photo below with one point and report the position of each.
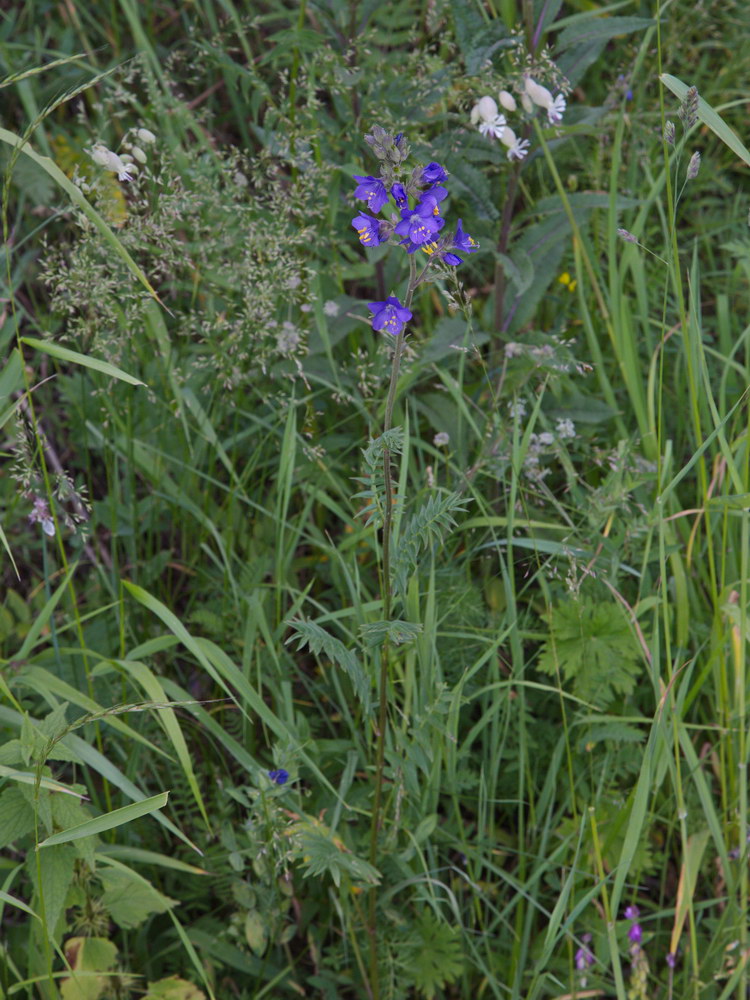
(374, 517)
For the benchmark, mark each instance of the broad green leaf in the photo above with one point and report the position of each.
(57, 866)
(173, 988)
(87, 955)
(709, 117)
(109, 821)
(16, 817)
(130, 898)
(74, 358)
(256, 932)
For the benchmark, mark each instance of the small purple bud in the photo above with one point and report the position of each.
(625, 235)
(628, 94)
(635, 934)
(671, 959)
(632, 912)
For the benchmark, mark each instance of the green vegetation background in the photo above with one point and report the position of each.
(567, 695)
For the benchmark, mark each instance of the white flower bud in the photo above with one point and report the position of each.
(145, 136)
(507, 100)
(554, 106)
(138, 154)
(486, 109)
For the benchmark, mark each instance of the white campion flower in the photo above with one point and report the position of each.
(554, 106)
(104, 157)
(517, 148)
(485, 114)
(507, 100)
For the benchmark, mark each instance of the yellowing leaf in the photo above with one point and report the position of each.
(174, 988)
(111, 200)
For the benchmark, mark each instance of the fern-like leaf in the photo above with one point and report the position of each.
(396, 632)
(430, 523)
(319, 641)
(373, 480)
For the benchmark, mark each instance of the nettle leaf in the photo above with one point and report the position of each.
(129, 898)
(435, 956)
(592, 646)
(56, 867)
(16, 816)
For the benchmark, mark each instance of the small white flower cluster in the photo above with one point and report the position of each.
(125, 165)
(486, 115)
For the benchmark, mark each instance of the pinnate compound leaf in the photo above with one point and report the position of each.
(592, 646)
(396, 632)
(430, 523)
(319, 641)
(324, 854)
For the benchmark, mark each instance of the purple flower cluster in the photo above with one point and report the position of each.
(635, 931)
(419, 223)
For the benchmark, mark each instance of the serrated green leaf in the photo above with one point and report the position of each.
(592, 647)
(16, 817)
(56, 866)
(130, 898)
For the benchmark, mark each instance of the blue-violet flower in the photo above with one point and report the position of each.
(368, 230)
(279, 776)
(433, 173)
(389, 315)
(419, 225)
(399, 195)
(372, 190)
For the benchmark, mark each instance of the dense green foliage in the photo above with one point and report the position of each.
(532, 714)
